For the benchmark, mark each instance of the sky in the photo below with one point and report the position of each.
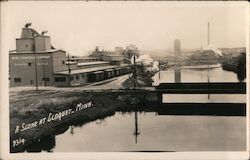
(78, 27)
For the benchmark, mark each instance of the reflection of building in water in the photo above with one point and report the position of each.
(71, 130)
(45, 144)
(177, 75)
(177, 48)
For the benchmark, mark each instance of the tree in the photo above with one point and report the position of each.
(241, 68)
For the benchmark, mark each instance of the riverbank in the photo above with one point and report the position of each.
(38, 114)
(237, 65)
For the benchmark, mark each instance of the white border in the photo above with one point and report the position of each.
(109, 155)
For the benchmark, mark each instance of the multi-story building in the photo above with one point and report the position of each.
(36, 62)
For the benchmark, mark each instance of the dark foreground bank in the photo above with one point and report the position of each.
(46, 112)
(37, 116)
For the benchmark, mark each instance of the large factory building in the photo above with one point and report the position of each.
(36, 61)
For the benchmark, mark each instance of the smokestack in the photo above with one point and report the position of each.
(208, 34)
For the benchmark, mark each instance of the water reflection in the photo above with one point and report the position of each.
(158, 133)
(194, 75)
(159, 129)
(136, 132)
(72, 130)
(45, 144)
(122, 131)
(177, 75)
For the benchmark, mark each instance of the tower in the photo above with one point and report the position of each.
(177, 48)
(208, 34)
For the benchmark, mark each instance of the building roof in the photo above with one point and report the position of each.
(92, 63)
(87, 70)
(71, 62)
(25, 52)
(76, 58)
(29, 33)
(98, 72)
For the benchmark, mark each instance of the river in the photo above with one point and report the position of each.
(198, 75)
(150, 131)
(156, 133)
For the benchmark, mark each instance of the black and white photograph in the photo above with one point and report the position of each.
(129, 77)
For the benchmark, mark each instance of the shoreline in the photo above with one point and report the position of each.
(78, 108)
(102, 105)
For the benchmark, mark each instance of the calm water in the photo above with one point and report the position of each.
(164, 132)
(195, 75)
(198, 75)
(157, 133)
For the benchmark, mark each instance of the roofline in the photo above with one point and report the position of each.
(42, 36)
(113, 68)
(24, 38)
(33, 52)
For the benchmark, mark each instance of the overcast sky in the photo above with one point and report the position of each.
(78, 27)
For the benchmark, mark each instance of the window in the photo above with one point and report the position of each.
(29, 64)
(45, 79)
(31, 81)
(83, 75)
(60, 79)
(77, 77)
(63, 62)
(26, 45)
(71, 78)
(17, 80)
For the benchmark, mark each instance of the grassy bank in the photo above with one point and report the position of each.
(31, 106)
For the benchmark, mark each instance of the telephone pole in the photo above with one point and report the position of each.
(68, 69)
(44, 79)
(36, 71)
(208, 33)
(134, 73)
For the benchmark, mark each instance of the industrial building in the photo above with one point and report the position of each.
(177, 48)
(36, 62)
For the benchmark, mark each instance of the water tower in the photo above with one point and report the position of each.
(177, 48)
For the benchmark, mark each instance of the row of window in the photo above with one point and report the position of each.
(19, 80)
(63, 79)
(57, 79)
(76, 77)
(30, 63)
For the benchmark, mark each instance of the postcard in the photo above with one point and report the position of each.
(124, 80)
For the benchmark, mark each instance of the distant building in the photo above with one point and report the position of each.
(36, 60)
(130, 51)
(204, 57)
(114, 57)
(118, 50)
(177, 48)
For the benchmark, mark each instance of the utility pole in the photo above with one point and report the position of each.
(159, 74)
(208, 33)
(44, 74)
(69, 69)
(134, 73)
(36, 71)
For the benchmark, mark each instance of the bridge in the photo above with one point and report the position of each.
(225, 108)
(202, 88)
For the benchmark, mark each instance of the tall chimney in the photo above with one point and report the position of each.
(208, 34)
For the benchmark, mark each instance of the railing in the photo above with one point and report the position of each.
(203, 88)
